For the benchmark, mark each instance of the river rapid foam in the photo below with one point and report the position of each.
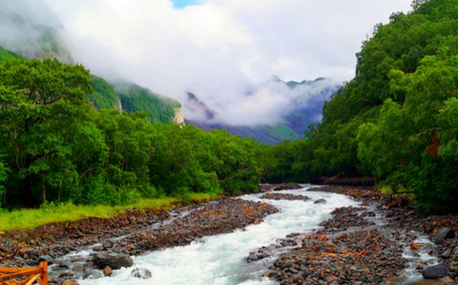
(221, 259)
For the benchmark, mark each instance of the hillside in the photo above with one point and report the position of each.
(130, 97)
(136, 98)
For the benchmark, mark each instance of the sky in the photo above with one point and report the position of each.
(217, 48)
(184, 3)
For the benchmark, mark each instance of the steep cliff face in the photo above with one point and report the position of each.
(178, 118)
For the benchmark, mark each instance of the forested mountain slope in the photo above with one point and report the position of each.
(55, 147)
(397, 119)
(130, 97)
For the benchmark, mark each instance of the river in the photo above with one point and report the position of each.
(221, 259)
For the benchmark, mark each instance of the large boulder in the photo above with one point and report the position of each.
(113, 260)
(436, 271)
(444, 234)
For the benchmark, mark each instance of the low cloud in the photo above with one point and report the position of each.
(220, 48)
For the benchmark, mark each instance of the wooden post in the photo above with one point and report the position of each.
(44, 273)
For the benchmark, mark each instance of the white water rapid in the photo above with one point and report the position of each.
(220, 260)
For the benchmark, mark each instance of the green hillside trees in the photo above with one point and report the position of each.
(55, 147)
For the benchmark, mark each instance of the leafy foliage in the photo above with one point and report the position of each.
(56, 148)
(159, 109)
(104, 96)
(4, 53)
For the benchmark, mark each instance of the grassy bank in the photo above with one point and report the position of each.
(30, 218)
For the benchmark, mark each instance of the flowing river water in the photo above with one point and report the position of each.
(221, 259)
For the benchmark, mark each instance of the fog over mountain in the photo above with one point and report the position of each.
(220, 50)
(264, 104)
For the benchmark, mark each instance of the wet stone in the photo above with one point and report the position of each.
(436, 271)
(78, 268)
(141, 273)
(444, 234)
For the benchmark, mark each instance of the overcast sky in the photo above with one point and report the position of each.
(215, 48)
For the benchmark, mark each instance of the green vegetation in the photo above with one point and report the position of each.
(397, 119)
(104, 96)
(4, 54)
(68, 212)
(56, 148)
(159, 109)
(130, 97)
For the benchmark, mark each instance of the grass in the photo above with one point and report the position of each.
(66, 212)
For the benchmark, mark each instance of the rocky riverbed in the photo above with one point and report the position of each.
(367, 245)
(358, 245)
(117, 239)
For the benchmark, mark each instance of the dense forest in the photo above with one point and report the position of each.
(397, 119)
(56, 147)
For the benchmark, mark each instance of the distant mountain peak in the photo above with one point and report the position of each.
(275, 78)
(193, 104)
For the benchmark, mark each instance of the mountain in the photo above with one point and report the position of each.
(32, 30)
(130, 97)
(305, 103)
(28, 28)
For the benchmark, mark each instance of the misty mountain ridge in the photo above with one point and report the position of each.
(32, 30)
(269, 112)
(304, 103)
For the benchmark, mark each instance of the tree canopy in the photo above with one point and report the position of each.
(55, 147)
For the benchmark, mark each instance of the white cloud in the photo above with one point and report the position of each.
(220, 47)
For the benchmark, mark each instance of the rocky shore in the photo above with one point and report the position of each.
(358, 245)
(351, 248)
(118, 238)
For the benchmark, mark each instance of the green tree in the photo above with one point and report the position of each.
(39, 101)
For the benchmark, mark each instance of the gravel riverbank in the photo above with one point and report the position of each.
(118, 238)
(367, 245)
(358, 245)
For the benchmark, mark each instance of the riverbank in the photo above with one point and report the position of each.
(132, 233)
(358, 245)
(367, 244)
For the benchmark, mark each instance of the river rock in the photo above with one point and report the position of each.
(107, 245)
(114, 260)
(289, 186)
(444, 234)
(436, 271)
(252, 257)
(46, 258)
(78, 267)
(320, 201)
(69, 283)
(107, 271)
(141, 273)
(446, 254)
(282, 196)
